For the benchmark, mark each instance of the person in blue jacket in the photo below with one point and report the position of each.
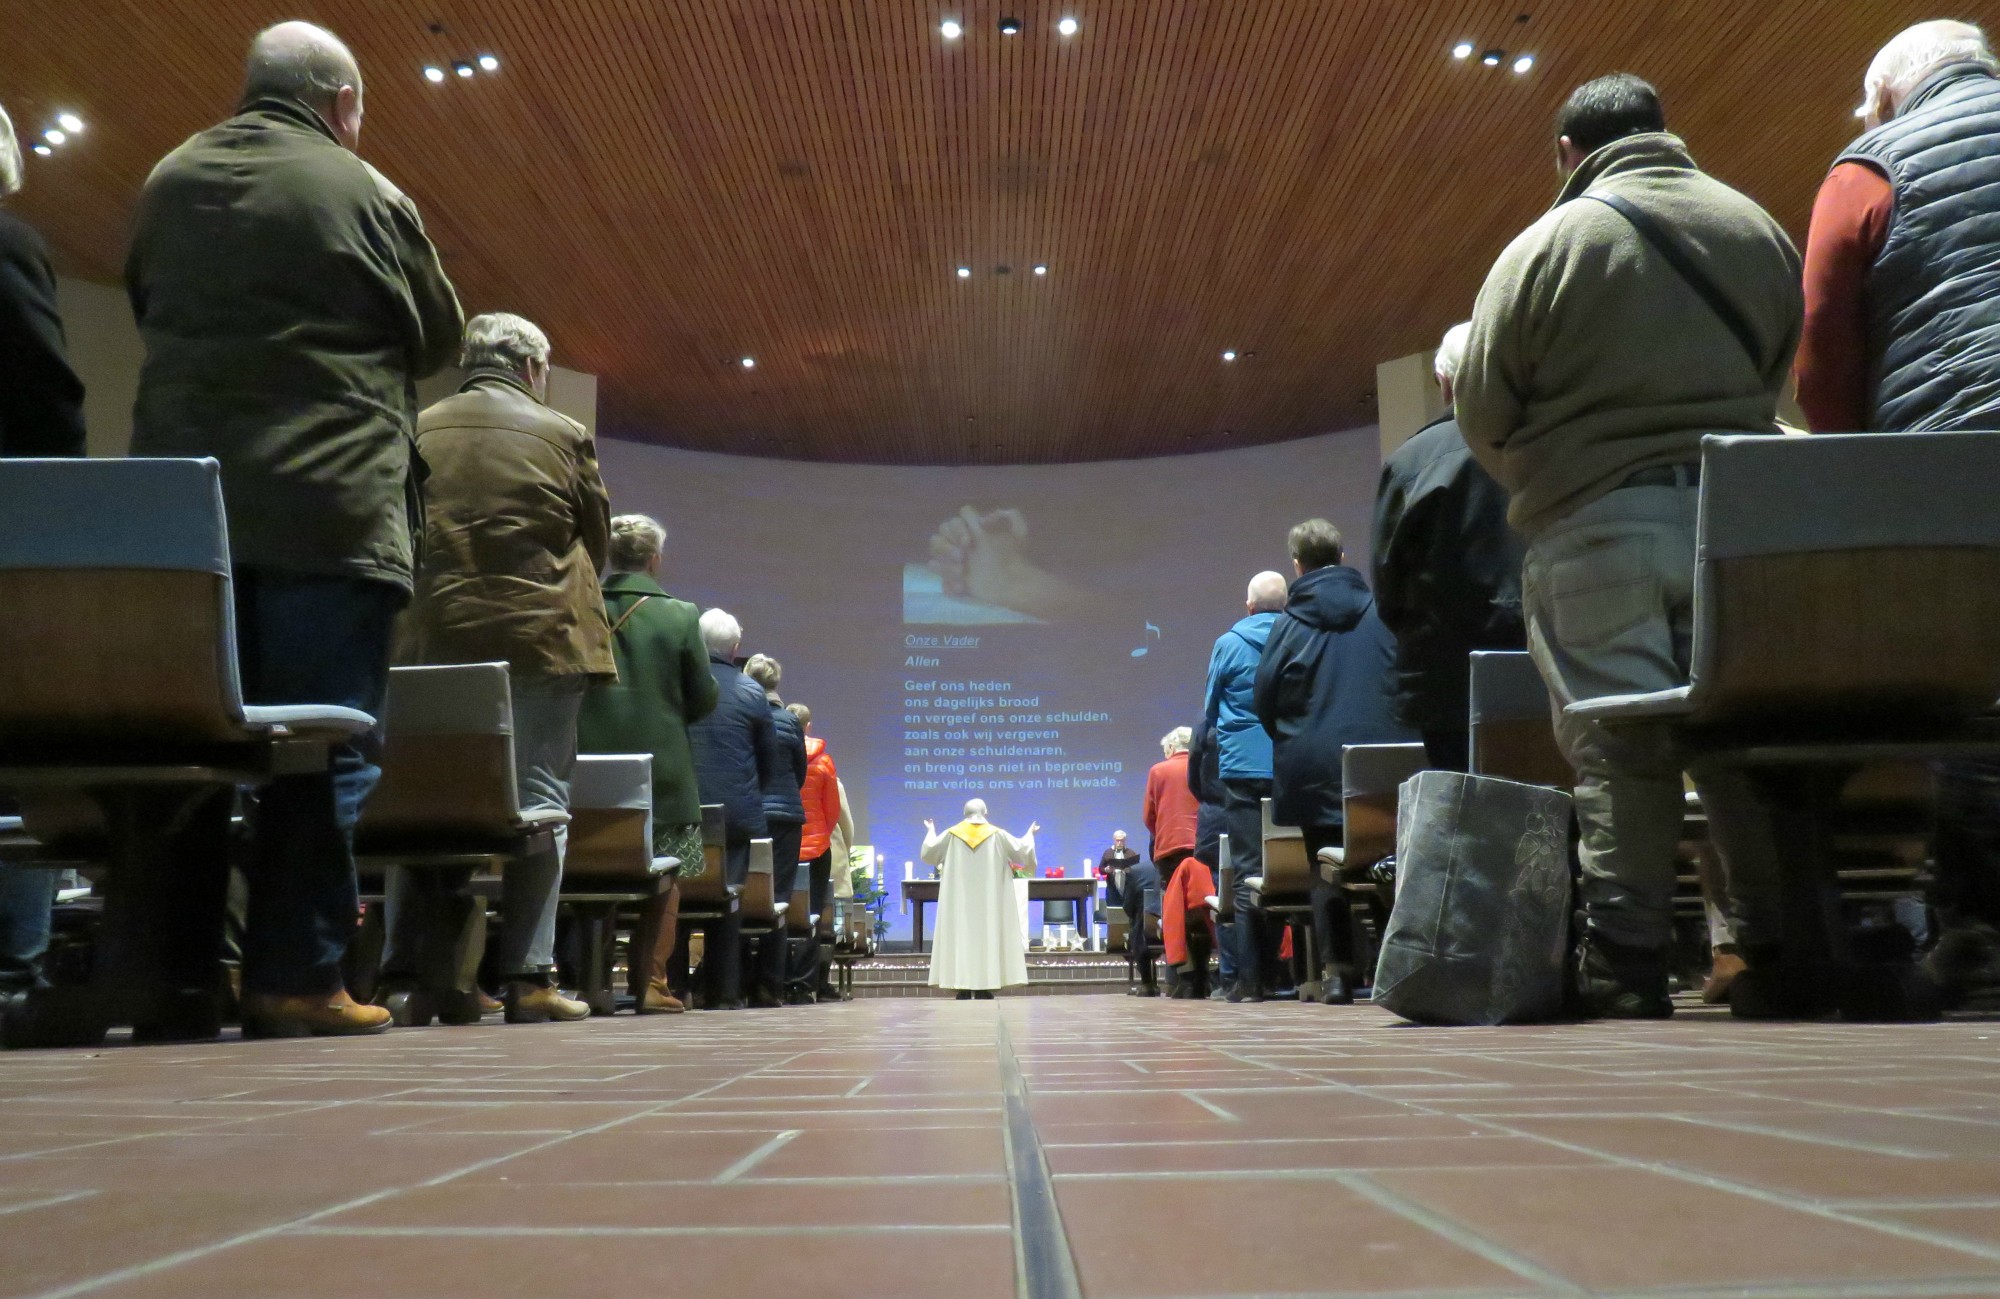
(1245, 753)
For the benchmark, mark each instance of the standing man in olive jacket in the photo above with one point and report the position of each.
(517, 525)
(289, 301)
(1594, 369)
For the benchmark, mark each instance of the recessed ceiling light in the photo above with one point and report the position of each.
(1041, 269)
(44, 150)
(489, 63)
(1229, 355)
(70, 122)
(950, 30)
(1067, 26)
(748, 363)
(462, 68)
(965, 272)
(433, 74)
(1010, 26)
(1492, 58)
(1522, 64)
(54, 136)
(1462, 50)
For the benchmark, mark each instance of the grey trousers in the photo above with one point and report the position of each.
(545, 716)
(1609, 598)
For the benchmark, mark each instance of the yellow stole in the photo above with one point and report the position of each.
(972, 833)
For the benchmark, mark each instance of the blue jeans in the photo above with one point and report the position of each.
(303, 639)
(27, 899)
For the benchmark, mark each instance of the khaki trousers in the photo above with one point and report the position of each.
(1609, 597)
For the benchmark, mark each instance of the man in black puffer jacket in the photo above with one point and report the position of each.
(1447, 571)
(1327, 680)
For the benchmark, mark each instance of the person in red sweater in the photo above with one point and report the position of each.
(1171, 810)
(821, 795)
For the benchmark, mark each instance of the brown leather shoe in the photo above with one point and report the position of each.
(1723, 973)
(327, 1015)
(531, 1003)
(656, 1000)
(489, 1005)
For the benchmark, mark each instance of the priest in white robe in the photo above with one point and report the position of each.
(980, 945)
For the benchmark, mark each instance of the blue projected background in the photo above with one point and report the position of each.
(1024, 634)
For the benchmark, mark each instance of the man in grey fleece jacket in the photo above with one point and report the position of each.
(1593, 370)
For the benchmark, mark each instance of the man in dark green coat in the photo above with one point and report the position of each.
(289, 300)
(663, 684)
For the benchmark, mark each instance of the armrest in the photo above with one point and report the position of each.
(544, 818)
(1659, 705)
(308, 719)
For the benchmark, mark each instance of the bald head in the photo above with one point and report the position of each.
(975, 809)
(1267, 592)
(1913, 55)
(309, 64)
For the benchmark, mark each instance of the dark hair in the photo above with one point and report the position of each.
(1315, 544)
(1610, 108)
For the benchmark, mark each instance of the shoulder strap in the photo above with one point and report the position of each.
(1677, 257)
(628, 613)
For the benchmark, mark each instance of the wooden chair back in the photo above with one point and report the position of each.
(1371, 776)
(611, 818)
(759, 903)
(448, 760)
(1288, 872)
(1513, 724)
(708, 892)
(1847, 576)
(116, 606)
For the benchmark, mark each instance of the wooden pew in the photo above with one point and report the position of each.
(609, 864)
(1847, 614)
(447, 810)
(1284, 890)
(119, 691)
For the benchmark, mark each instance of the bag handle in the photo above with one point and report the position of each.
(628, 613)
(1677, 257)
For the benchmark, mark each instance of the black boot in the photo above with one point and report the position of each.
(1772, 987)
(1614, 981)
(1149, 980)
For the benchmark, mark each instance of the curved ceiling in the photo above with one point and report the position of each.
(668, 186)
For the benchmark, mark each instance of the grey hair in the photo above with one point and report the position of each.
(1916, 52)
(500, 341)
(1177, 740)
(1451, 352)
(10, 157)
(975, 807)
(635, 538)
(299, 61)
(766, 672)
(720, 632)
(1267, 592)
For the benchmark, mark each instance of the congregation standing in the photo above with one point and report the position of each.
(289, 300)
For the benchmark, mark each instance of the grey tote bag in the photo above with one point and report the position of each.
(1481, 922)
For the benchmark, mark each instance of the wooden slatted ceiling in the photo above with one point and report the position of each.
(669, 185)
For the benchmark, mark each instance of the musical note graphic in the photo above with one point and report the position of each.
(1143, 647)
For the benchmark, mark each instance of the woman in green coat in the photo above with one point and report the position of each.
(663, 684)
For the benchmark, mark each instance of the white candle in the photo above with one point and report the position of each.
(909, 870)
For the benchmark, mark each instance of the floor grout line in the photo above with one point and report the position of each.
(1043, 1265)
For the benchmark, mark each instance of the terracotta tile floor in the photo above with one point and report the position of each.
(910, 1147)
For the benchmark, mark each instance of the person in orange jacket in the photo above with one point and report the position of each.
(808, 981)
